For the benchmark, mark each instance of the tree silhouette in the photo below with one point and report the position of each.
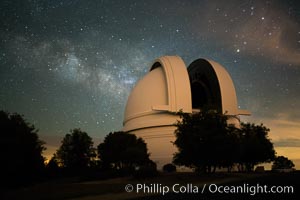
(169, 168)
(76, 151)
(121, 150)
(282, 162)
(255, 146)
(204, 141)
(20, 147)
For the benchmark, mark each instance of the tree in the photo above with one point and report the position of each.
(254, 146)
(282, 162)
(204, 141)
(76, 151)
(169, 168)
(20, 147)
(121, 149)
(52, 164)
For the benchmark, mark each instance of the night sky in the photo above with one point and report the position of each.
(71, 64)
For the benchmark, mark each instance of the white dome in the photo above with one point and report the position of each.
(164, 90)
(170, 87)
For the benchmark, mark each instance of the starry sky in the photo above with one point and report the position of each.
(68, 64)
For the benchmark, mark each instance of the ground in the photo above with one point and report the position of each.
(115, 188)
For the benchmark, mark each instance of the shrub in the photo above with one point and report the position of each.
(169, 168)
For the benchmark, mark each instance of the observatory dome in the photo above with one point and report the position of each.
(170, 87)
(156, 97)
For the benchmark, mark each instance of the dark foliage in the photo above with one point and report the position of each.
(76, 151)
(123, 150)
(282, 162)
(20, 149)
(146, 170)
(254, 146)
(169, 168)
(206, 141)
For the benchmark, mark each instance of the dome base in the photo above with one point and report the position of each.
(159, 143)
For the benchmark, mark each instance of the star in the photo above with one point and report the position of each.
(72, 64)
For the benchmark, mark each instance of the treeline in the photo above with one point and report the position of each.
(119, 154)
(205, 142)
(22, 161)
(20, 151)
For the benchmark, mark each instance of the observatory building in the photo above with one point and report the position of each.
(169, 87)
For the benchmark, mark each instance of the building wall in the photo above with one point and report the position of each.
(159, 142)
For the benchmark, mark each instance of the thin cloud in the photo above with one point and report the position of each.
(288, 142)
(263, 32)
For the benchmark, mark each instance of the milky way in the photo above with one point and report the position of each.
(68, 64)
